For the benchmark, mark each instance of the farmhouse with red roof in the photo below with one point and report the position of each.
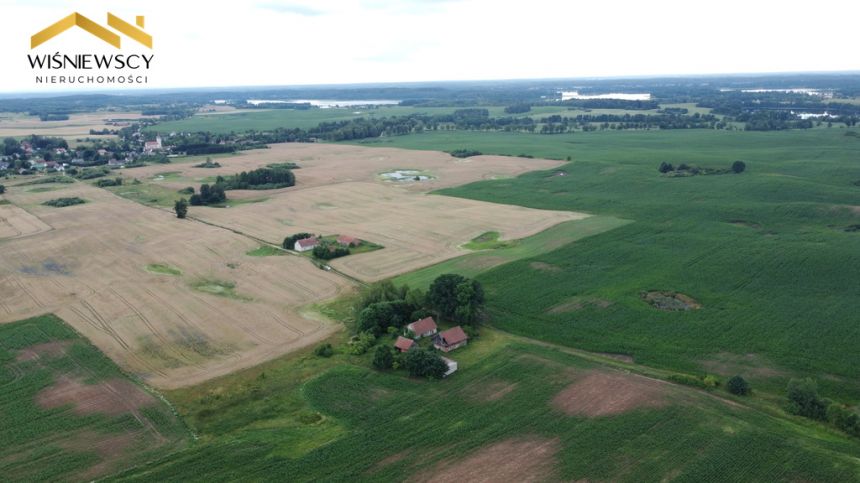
(306, 244)
(348, 241)
(423, 328)
(450, 339)
(403, 344)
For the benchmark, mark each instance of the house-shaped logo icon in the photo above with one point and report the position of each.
(78, 20)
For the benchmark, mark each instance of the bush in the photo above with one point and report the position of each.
(93, 173)
(2, 189)
(738, 386)
(379, 316)
(844, 419)
(803, 399)
(186, 191)
(361, 343)
(383, 358)
(739, 167)
(707, 382)
(324, 350)
(665, 167)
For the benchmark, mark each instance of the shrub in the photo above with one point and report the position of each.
(103, 183)
(361, 343)
(209, 195)
(383, 358)
(738, 386)
(707, 382)
(186, 191)
(324, 350)
(844, 419)
(665, 167)
(739, 167)
(2, 189)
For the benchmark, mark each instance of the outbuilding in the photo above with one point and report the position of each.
(306, 244)
(423, 328)
(450, 339)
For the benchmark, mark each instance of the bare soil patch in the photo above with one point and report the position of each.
(670, 301)
(578, 303)
(751, 365)
(516, 460)
(48, 349)
(602, 393)
(544, 267)
(114, 396)
(491, 391)
(111, 449)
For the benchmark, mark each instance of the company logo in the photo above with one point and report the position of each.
(63, 67)
(78, 20)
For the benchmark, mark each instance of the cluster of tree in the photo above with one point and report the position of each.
(518, 108)
(91, 173)
(103, 132)
(685, 169)
(772, 121)
(612, 104)
(53, 117)
(803, 400)
(290, 241)
(456, 297)
(667, 120)
(209, 195)
(259, 179)
(418, 362)
(63, 202)
(464, 153)
(284, 165)
(328, 251)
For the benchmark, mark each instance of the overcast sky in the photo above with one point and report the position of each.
(272, 42)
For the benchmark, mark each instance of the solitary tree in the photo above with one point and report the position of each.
(739, 386)
(181, 208)
(739, 167)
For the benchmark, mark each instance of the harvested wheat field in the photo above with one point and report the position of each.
(172, 301)
(416, 229)
(15, 222)
(519, 459)
(325, 164)
(603, 393)
(77, 126)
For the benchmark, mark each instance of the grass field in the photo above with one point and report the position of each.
(67, 413)
(507, 415)
(548, 240)
(765, 252)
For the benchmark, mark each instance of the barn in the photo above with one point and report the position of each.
(422, 328)
(306, 244)
(450, 339)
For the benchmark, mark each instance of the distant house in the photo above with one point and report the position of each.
(450, 339)
(151, 146)
(403, 344)
(51, 164)
(38, 164)
(27, 147)
(115, 163)
(348, 241)
(78, 161)
(306, 244)
(60, 150)
(4, 165)
(452, 366)
(423, 328)
(102, 152)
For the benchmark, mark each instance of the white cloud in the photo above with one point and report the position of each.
(271, 42)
